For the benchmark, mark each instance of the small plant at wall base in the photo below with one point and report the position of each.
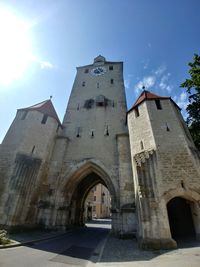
(3, 238)
(192, 86)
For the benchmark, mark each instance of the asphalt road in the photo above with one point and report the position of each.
(72, 249)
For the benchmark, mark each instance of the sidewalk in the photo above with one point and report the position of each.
(28, 237)
(119, 252)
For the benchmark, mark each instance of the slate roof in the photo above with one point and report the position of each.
(146, 95)
(45, 107)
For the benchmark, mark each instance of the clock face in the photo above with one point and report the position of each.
(98, 71)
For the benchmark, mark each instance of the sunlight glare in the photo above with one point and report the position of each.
(15, 46)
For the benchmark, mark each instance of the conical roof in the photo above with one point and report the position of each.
(146, 95)
(45, 107)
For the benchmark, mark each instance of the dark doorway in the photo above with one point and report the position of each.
(180, 218)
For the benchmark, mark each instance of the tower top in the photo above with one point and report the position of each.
(146, 95)
(99, 59)
(45, 107)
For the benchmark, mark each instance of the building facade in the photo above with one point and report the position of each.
(98, 203)
(145, 157)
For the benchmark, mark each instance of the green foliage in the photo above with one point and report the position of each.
(192, 86)
(3, 237)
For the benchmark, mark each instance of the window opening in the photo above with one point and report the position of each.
(167, 127)
(86, 70)
(106, 132)
(110, 67)
(83, 84)
(97, 85)
(101, 101)
(92, 133)
(24, 115)
(78, 132)
(141, 145)
(44, 119)
(78, 107)
(95, 198)
(89, 103)
(32, 149)
(57, 128)
(111, 81)
(158, 104)
(137, 114)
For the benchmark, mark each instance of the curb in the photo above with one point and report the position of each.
(33, 241)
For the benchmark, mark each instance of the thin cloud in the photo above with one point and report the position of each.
(160, 70)
(147, 81)
(164, 83)
(43, 64)
(182, 100)
(46, 65)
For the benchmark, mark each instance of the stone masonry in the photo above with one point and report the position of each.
(145, 157)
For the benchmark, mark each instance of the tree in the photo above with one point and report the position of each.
(192, 86)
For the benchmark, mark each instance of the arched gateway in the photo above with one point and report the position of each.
(77, 185)
(145, 157)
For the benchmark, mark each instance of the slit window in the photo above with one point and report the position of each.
(110, 67)
(24, 115)
(111, 81)
(83, 84)
(167, 127)
(137, 114)
(141, 145)
(97, 85)
(32, 149)
(44, 119)
(106, 132)
(78, 130)
(158, 104)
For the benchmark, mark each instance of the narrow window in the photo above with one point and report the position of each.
(182, 184)
(78, 132)
(83, 84)
(106, 132)
(141, 145)
(111, 81)
(78, 107)
(167, 127)
(110, 67)
(44, 119)
(24, 115)
(158, 104)
(86, 70)
(137, 114)
(57, 128)
(95, 198)
(97, 85)
(92, 133)
(32, 149)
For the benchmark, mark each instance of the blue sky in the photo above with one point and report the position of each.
(155, 40)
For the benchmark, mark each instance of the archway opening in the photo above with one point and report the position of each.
(180, 219)
(97, 204)
(91, 201)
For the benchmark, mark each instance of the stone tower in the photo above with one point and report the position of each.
(166, 170)
(93, 147)
(23, 153)
(145, 157)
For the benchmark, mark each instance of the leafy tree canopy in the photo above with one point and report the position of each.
(192, 86)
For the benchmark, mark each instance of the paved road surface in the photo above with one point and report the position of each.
(72, 249)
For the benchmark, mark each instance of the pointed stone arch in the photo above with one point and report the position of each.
(79, 180)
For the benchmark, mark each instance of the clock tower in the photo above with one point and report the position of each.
(93, 146)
